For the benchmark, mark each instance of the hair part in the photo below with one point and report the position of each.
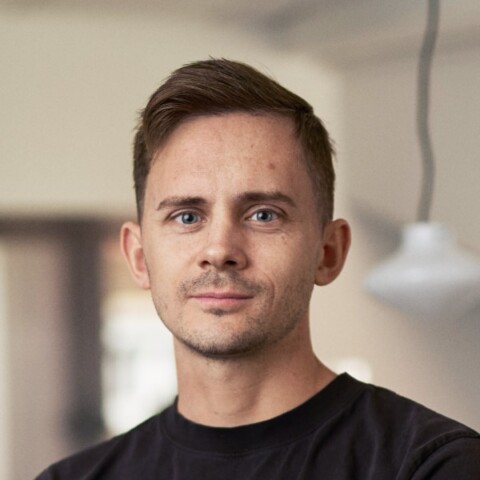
(220, 86)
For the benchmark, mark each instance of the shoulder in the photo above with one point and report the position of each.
(129, 448)
(457, 458)
(433, 445)
(383, 405)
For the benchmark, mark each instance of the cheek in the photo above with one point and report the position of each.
(170, 263)
(292, 257)
(283, 269)
(162, 266)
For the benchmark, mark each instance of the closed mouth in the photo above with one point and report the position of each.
(222, 295)
(221, 301)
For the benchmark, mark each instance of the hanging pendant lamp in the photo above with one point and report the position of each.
(429, 276)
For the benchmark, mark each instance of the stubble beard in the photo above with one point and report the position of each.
(259, 329)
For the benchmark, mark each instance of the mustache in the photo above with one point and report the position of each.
(222, 280)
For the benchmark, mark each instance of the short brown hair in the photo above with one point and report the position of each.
(219, 86)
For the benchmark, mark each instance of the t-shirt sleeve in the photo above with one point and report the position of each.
(458, 459)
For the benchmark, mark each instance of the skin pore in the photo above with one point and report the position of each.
(231, 246)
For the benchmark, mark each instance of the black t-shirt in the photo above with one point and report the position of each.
(349, 430)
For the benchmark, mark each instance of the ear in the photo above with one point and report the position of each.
(335, 246)
(132, 249)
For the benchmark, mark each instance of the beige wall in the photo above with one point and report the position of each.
(382, 147)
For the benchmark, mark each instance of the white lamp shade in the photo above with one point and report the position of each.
(429, 276)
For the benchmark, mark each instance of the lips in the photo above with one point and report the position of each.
(221, 295)
(221, 299)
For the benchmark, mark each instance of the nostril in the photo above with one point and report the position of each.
(222, 256)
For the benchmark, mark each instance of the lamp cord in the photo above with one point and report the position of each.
(423, 110)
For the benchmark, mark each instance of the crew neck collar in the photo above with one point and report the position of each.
(285, 428)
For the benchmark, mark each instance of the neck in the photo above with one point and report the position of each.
(256, 387)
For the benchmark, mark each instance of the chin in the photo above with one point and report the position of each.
(238, 346)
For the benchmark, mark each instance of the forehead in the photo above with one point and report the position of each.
(234, 151)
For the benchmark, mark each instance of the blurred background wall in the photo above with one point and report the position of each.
(74, 75)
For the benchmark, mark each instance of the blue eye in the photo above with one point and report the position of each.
(187, 218)
(264, 216)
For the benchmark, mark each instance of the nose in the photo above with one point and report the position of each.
(224, 247)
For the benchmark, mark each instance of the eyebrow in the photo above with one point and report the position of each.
(262, 196)
(177, 201)
(254, 196)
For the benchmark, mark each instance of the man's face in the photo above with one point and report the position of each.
(230, 239)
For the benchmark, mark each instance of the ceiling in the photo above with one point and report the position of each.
(341, 31)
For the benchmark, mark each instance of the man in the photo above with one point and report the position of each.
(234, 187)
